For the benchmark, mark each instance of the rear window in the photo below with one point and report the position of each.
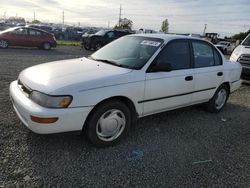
(205, 55)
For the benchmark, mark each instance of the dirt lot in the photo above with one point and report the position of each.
(183, 148)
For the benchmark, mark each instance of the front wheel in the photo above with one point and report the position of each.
(98, 45)
(217, 103)
(108, 123)
(4, 44)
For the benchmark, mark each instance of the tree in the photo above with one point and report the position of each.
(241, 35)
(124, 24)
(165, 26)
(35, 22)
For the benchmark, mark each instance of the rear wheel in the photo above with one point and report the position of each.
(46, 46)
(217, 103)
(109, 123)
(4, 44)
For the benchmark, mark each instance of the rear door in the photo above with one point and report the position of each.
(208, 72)
(173, 89)
(35, 37)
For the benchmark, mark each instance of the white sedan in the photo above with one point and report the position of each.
(134, 76)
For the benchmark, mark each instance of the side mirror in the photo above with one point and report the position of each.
(161, 67)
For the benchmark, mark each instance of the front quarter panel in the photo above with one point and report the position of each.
(129, 85)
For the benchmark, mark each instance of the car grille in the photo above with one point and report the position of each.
(244, 60)
(27, 91)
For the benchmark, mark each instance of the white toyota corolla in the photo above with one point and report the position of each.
(132, 77)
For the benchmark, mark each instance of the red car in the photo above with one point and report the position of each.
(27, 37)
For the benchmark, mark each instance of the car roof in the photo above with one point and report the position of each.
(165, 37)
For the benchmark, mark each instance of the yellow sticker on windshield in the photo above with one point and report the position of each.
(150, 43)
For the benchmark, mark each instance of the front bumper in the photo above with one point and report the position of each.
(70, 119)
(246, 70)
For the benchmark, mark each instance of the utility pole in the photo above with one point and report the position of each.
(108, 24)
(204, 31)
(120, 14)
(63, 17)
(34, 14)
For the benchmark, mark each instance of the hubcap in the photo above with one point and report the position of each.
(110, 125)
(47, 46)
(221, 99)
(3, 44)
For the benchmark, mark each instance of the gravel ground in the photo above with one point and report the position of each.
(181, 148)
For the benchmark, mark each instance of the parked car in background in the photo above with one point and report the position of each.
(225, 47)
(134, 76)
(101, 38)
(27, 37)
(241, 54)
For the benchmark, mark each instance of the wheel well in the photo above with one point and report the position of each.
(124, 100)
(228, 85)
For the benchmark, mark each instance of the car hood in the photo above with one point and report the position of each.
(220, 45)
(87, 35)
(238, 51)
(68, 75)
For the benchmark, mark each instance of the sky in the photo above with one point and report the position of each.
(184, 16)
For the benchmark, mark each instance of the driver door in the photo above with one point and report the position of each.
(171, 89)
(20, 37)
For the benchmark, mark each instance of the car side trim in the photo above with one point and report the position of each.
(177, 95)
(235, 81)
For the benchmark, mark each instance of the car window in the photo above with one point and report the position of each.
(34, 32)
(246, 42)
(177, 54)
(217, 58)
(21, 31)
(111, 34)
(203, 54)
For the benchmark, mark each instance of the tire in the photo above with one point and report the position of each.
(87, 47)
(216, 104)
(4, 44)
(98, 45)
(108, 123)
(46, 46)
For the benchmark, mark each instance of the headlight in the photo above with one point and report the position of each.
(51, 101)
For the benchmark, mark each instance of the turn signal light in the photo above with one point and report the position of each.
(44, 120)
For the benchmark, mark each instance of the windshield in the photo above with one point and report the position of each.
(131, 51)
(101, 32)
(246, 42)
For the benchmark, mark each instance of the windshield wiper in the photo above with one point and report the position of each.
(111, 62)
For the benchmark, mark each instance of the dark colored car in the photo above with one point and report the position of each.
(101, 38)
(27, 37)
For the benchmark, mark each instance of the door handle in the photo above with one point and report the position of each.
(189, 78)
(219, 73)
